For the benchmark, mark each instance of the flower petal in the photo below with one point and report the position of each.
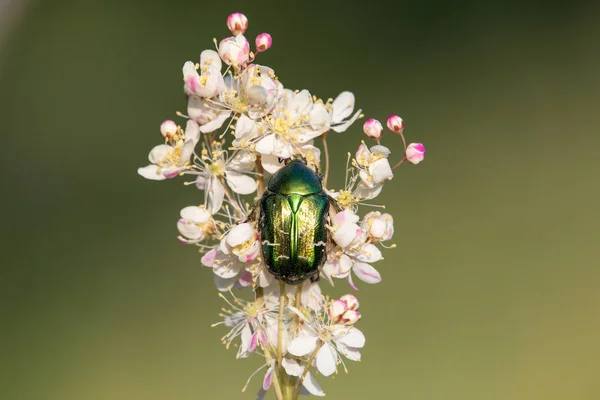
(152, 172)
(353, 338)
(326, 360)
(215, 123)
(366, 273)
(240, 183)
(311, 385)
(342, 106)
(216, 194)
(303, 345)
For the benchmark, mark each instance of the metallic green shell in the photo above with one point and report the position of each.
(293, 213)
(295, 178)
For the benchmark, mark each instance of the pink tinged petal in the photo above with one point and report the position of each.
(208, 258)
(246, 339)
(351, 301)
(201, 182)
(240, 183)
(351, 282)
(151, 172)
(345, 217)
(171, 172)
(415, 153)
(395, 124)
(336, 309)
(192, 131)
(268, 380)
(246, 279)
(240, 234)
(342, 106)
(187, 241)
(346, 234)
(311, 386)
(353, 338)
(215, 123)
(253, 342)
(326, 360)
(366, 273)
(303, 345)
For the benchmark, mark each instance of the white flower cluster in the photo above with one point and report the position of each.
(241, 126)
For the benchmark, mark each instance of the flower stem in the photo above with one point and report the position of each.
(298, 305)
(326, 151)
(306, 368)
(403, 158)
(283, 382)
(261, 177)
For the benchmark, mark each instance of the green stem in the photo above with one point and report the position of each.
(308, 363)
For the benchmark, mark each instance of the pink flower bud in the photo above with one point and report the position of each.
(351, 301)
(415, 153)
(372, 128)
(237, 23)
(395, 124)
(336, 310)
(263, 42)
(168, 129)
(350, 317)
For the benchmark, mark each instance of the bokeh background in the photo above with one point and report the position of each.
(493, 291)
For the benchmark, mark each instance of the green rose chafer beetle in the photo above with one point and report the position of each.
(292, 215)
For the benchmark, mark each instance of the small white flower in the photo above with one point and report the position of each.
(377, 226)
(195, 224)
(168, 161)
(333, 339)
(234, 50)
(209, 117)
(232, 170)
(374, 169)
(209, 82)
(294, 121)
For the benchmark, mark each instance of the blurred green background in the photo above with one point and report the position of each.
(493, 291)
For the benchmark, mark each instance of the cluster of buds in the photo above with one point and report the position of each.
(241, 126)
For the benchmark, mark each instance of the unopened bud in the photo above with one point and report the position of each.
(237, 23)
(350, 317)
(351, 301)
(168, 129)
(415, 153)
(263, 42)
(336, 310)
(372, 128)
(395, 124)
